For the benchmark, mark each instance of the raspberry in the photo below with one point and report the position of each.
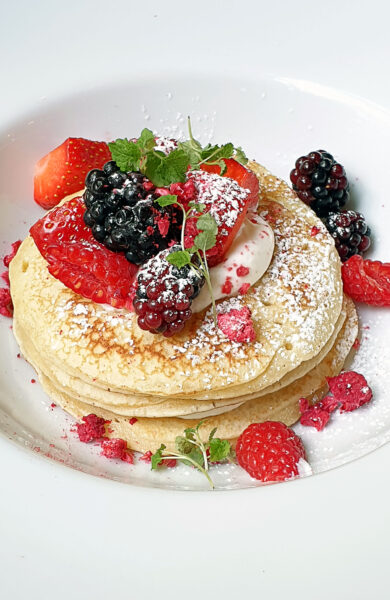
(367, 281)
(116, 448)
(350, 389)
(147, 457)
(92, 428)
(78, 261)
(123, 216)
(6, 306)
(164, 294)
(237, 325)
(269, 451)
(133, 420)
(15, 247)
(350, 232)
(320, 182)
(319, 414)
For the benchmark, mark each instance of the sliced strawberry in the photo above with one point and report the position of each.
(244, 177)
(367, 280)
(63, 170)
(227, 202)
(79, 261)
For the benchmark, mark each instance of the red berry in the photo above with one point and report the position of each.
(79, 261)
(116, 448)
(237, 325)
(367, 281)
(319, 414)
(350, 389)
(92, 428)
(63, 170)
(14, 248)
(6, 306)
(269, 451)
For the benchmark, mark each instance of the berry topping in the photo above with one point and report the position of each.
(319, 414)
(350, 232)
(367, 281)
(6, 306)
(92, 428)
(123, 215)
(227, 202)
(269, 451)
(14, 248)
(117, 448)
(244, 177)
(237, 325)
(63, 170)
(320, 182)
(350, 389)
(78, 261)
(165, 293)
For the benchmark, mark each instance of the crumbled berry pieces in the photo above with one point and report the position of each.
(146, 457)
(7, 259)
(227, 286)
(133, 420)
(6, 306)
(350, 389)
(244, 289)
(367, 281)
(314, 231)
(242, 271)
(320, 182)
(92, 428)
(237, 325)
(269, 451)
(116, 448)
(5, 278)
(317, 415)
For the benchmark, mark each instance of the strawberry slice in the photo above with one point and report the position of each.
(244, 177)
(63, 170)
(227, 201)
(367, 281)
(79, 261)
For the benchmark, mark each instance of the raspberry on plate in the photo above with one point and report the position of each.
(62, 171)
(79, 261)
(351, 390)
(320, 182)
(367, 281)
(92, 428)
(269, 451)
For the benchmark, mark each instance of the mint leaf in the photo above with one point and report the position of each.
(207, 222)
(188, 450)
(219, 450)
(240, 156)
(193, 150)
(162, 170)
(166, 200)
(198, 206)
(205, 240)
(157, 457)
(215, 153)
(126, 154)
(179, 259)
(212, 434)
(146, 140)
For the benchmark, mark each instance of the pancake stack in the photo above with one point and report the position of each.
(91, 358)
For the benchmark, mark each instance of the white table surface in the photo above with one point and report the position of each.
(64, 534)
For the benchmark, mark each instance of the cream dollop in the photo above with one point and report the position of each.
(246, 262)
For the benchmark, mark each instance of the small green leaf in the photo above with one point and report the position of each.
(219, 449)
(205, 240)
(240, 156)
(179, 259)
(212, 434)
(193, 150)
(207, 222)
(126, 154)
(146, 140)
(215, 153)
(183, 446)
(198, 206)
(166, 200)
(157, 456)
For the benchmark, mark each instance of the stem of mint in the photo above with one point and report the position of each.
(206, 273)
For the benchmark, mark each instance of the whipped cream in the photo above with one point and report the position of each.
(246, 261)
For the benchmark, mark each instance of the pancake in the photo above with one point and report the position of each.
(295, 307)
(147, 434)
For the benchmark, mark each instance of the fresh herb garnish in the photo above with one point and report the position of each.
(192, 451)
(163, 169)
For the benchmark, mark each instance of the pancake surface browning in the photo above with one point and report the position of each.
(295, 307)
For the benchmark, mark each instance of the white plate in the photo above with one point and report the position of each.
(285, 120)
(77, 536)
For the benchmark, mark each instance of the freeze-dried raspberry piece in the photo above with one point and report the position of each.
(367, 280)
(350, 389)
(116, 448)
(315, 416)
(7, 259)
(6, 306)
(237, 324)
(147, 457)
(5, 277)
(92, 428)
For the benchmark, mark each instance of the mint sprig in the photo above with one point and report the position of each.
(192, 451)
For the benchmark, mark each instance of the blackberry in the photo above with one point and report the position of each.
(164, 294)
(123, 216)
(320, 182)
(350, 232)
